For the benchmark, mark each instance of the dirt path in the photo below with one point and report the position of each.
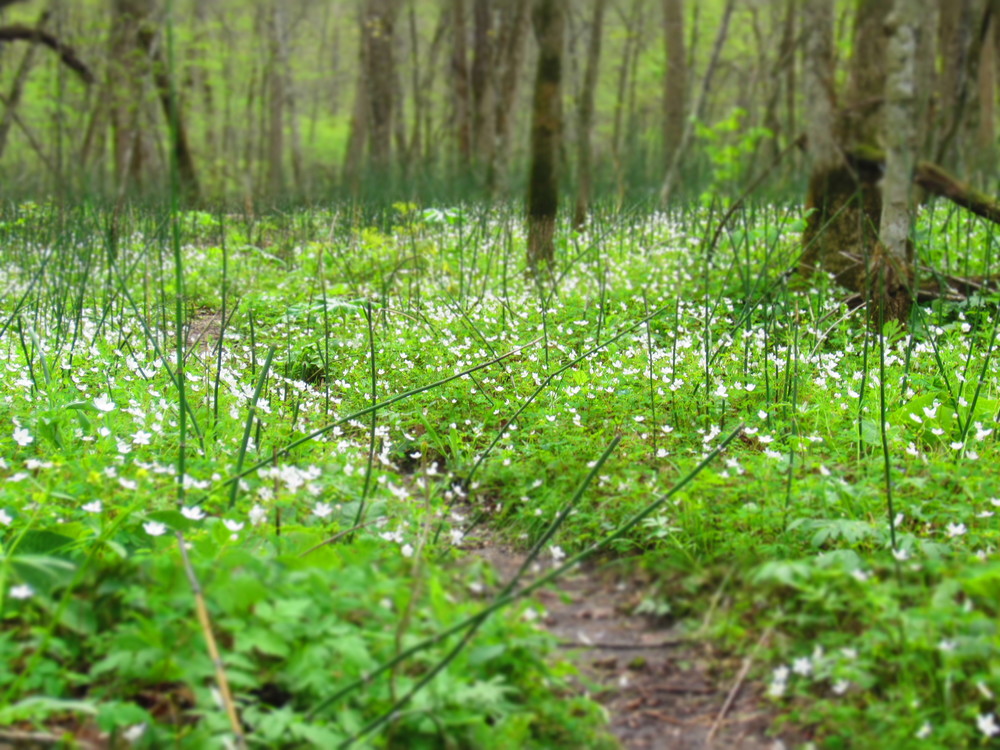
(663, 691)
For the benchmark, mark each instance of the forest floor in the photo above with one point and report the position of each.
(789, 521)
(663, 687)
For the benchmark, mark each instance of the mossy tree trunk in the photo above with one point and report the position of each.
(549, 18)
(845, 193)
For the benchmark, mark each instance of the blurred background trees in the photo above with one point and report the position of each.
(432, 100)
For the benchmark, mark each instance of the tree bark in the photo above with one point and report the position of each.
(275, 103)
(861, 120)
(549, 21)
(460, 86)
(379, 58)
(832, 184)
(675, 79)
(621, 87)
(893, 270)
(127, 69)
(170, 104)
(962, 31)
(986, 132)
(483, 88)
(673, 170)
(358, 134)
(585, 116)
(788, 45)
(509, 61)
(421, 143)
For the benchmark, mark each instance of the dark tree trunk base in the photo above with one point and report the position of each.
(841, 236)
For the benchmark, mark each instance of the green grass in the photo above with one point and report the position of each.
(390, 381)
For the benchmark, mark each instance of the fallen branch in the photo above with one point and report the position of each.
(936, 180)
(737, 686)
(225, 694)
(11, 738)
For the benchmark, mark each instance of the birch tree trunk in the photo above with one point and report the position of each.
(903, 110)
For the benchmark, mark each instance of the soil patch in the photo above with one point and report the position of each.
(663, 690)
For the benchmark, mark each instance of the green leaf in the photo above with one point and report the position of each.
(173, 519)
(42, 571)
(82, 406)
(787, 572)
(42, 542)
(870, 433)
(264, 640)
(40, 707)
(318, 736)
(484, 654)
(111, 716)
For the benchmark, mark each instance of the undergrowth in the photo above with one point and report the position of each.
(323, 409)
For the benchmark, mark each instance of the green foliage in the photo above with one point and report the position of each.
(493, 394)
(729, 147)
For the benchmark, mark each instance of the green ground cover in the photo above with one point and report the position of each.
(389, 384)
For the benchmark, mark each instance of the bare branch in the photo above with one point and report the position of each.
(20, 32)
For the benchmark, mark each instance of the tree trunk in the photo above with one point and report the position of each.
(460, 86)
(275, 105)
(788, 45)
(960, 39)
(510, 48)
(621, 88)
(892, 272)
(379, 56)
(421, 142)
(673, 169)
(843, 229)
(986, 133)
(782, 68)
(291, 106)
(861, 120)
(585, 116)
(549, 21)
(859, 228)
(675, 79)
(170, 104)
(358, 134)
(132, 145)
(483, 94)
(840, 217)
